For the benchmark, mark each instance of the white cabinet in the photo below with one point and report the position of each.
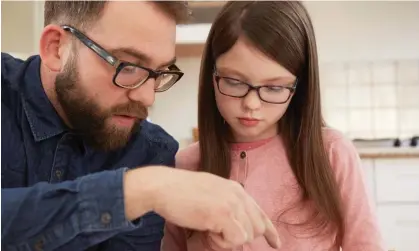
(400, 226)
(369, 176)
(397, 180)
(394, 186)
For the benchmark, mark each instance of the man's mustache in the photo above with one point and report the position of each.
(132, 109)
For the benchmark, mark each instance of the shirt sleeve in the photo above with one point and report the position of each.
(361, 226)
(48, 216)
(149, 236)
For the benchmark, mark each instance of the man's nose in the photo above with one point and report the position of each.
(145, 94)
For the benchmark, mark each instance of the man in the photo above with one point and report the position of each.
(74, 133)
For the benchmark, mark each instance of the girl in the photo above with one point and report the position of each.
(260, 124)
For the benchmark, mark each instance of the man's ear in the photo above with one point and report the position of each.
(52, 47)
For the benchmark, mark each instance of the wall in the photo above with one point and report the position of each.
(366, 30)
(369, 53)
(21, 26)
(176, 109)
(372, 99)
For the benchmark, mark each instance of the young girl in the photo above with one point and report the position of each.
(260, 123)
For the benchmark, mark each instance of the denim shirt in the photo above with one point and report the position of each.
(57, 193)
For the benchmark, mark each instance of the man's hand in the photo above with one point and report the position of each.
(198, 201)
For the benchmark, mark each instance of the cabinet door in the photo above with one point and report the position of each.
(368, 169)
(397, 180)
(400, 226)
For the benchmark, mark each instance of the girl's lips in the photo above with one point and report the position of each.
(248, 121)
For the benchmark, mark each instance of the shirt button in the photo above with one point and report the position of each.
(58, 173)
(105, 218)
(243, 155)
(39, 245)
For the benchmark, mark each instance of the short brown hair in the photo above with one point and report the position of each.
(85, 13)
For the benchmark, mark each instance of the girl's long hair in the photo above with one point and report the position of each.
(283, 31)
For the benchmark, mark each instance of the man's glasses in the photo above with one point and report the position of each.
(275, 94)
(128, 75)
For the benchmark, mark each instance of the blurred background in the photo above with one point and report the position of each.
(369, 71)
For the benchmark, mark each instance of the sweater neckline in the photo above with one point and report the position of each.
(245, 146)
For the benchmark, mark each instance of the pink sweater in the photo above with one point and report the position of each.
(266, 175)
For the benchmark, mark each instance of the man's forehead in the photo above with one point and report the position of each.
(142, 31)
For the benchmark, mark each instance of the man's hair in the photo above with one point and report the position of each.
(83, 14)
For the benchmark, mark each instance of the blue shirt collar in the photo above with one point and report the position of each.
(43, 119)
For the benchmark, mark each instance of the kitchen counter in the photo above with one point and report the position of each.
(390, 152)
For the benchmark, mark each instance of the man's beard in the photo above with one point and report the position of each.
(88, 119)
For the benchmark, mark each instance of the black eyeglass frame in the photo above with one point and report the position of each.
(255, 88)
(119, 65)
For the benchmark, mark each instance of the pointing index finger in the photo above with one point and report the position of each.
(271, 235)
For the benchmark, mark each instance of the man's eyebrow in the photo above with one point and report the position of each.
(142, 57)
(170, 63)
